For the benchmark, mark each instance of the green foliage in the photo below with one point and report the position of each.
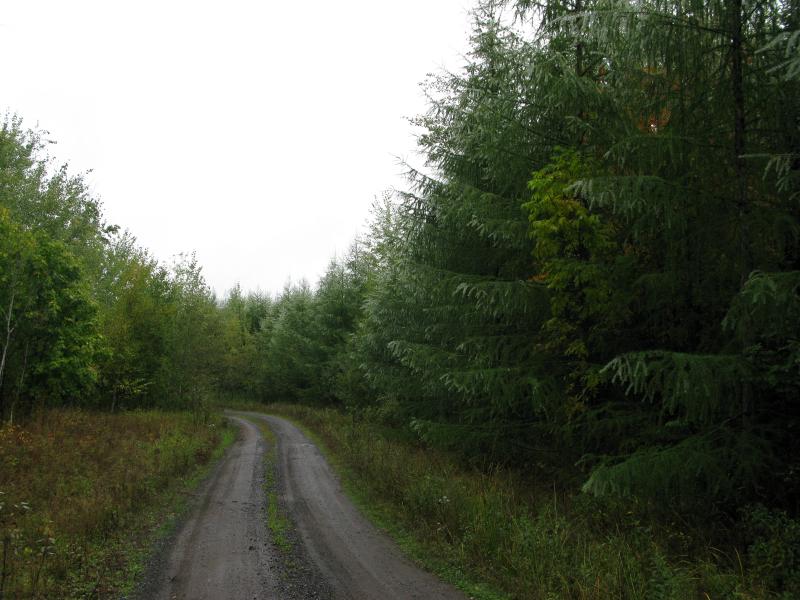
(694, 389)
(46, 198)
(775, 550)
(579, 257)
(88, 317)
(192, 362)
(49, 336)
(136, 308)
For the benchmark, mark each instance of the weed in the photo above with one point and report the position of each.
(80, 491)
(498, 534)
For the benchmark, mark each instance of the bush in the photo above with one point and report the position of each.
(774, 552)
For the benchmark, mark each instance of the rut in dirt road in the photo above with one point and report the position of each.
(221, 550)
(357, 560)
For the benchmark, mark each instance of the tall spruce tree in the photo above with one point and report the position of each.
(683, 118)
(610, 315)
(450, 320)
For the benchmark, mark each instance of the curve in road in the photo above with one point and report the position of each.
(358, 561)
(222, 551)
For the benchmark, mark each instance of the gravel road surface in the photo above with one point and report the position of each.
(223, 551)
(220, 551)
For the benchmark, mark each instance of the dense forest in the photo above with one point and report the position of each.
(595, 278)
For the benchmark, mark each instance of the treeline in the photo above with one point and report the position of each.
(598, 267)
(87, 317)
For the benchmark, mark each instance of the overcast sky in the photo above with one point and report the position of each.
(254, 133)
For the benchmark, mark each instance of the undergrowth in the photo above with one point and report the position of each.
(524, 537)
(82, 493)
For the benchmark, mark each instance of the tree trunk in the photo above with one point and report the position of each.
(9, 331)
(19, 383)
(740, 167)
(579, 44)
(739, 133)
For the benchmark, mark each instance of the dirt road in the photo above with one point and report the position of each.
(223, 550)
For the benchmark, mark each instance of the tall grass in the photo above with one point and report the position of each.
(79, 492)
(522, 537)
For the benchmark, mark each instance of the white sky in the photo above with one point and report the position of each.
(255, 133)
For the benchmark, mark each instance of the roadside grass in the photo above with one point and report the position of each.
(498, 535)
(83, 496)
(238, 403)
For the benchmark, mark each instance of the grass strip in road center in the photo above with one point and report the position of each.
(299, 577)
(277, 521)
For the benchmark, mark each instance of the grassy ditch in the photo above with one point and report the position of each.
(82, 495)
(516, 537)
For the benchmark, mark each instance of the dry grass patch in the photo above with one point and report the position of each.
(81, 493)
